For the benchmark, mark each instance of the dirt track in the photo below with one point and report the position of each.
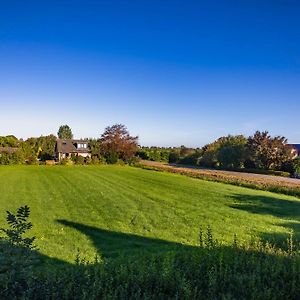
(229, 175)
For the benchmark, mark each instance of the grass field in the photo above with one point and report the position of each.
(115, 209)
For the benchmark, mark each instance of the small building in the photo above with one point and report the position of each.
(7, 150)
(295, 149)
(68, 148)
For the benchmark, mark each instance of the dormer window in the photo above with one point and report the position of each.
(81, 146)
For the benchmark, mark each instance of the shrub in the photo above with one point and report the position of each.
(112, 158)
(18, 226)
(32, 160)
(173, 157)
(78, 159)
(66, 162)
(255, 270)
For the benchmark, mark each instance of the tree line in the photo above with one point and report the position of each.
(260, 151)
(114, 145)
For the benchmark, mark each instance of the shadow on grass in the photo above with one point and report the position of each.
(287, 210)
(266, 205)
(175, 271)
(111, 243)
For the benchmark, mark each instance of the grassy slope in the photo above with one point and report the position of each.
(110, 208)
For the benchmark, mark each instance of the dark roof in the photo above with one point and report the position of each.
(69, 146)
(296, 147)
(8, 149)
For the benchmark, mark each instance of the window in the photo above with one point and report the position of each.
(81, 146)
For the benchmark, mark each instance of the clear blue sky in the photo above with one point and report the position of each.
(175, 72)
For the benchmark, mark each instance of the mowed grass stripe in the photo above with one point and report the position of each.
(139, 202)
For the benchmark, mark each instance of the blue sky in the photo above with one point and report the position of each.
(174, 72)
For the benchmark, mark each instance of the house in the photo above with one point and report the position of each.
(7, 150)
(295, 149)
(68, 148)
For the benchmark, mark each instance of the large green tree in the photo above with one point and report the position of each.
(65, 132)
(228, 152)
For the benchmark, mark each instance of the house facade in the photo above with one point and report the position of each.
(67, 148)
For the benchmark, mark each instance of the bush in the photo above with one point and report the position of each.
(78, 159)
(112, 158)
(173, 157)
(66, 162)
(32, 160)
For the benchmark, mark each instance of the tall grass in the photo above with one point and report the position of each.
(255, 270)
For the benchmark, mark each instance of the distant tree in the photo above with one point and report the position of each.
(228, 152)
(9, 141)
(269, 152)
(116, 142)
(233, 152)
(46, 147)
(95, 146)
(297, 167)
(65, 132)
(174, 156)
(143, 153)
(184, 151)
(232, 156)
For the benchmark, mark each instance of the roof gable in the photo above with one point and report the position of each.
(69, 146)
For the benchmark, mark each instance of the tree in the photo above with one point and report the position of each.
(297, 167)
(65, 132)
(9, 141)
(232, 156)
(117, 142)
(227, 151)
(267, 152)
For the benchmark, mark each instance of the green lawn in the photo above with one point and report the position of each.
(114, 209)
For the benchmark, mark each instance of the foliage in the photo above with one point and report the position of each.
(180, 154)
(95, 147)
(254, 270)
(12, 158)
(46, 147)
(174, 156)
(260, 151)
(66, 162)
(297, 166)
(269, 152)
(65, 132)
(154, 153)
(227, 152)
(117, 143)
(9, 141)
(19, 226)
(78, 159)
(231, 156)
(111, 157)
(30, 151)
(192, 158)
